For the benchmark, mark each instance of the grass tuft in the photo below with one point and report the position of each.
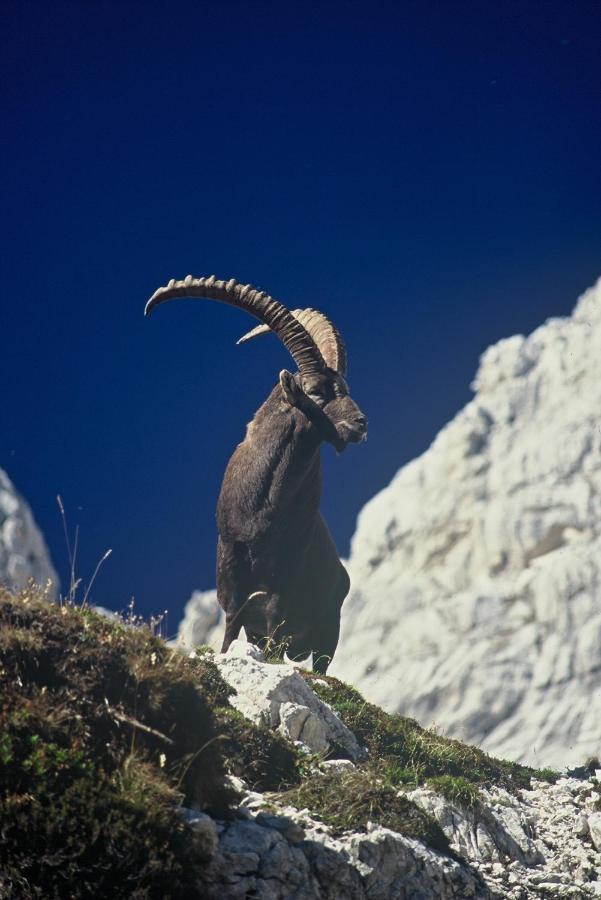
(407, 754)
(347, 801)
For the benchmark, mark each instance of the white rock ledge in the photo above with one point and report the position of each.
(544, 842)
(278, 696)
(510, 848)
(271, 857)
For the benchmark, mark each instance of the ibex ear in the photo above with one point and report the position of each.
(291, 390)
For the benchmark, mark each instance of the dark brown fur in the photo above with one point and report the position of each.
(278, 572)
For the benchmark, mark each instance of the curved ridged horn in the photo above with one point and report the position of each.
(323, 331)
(273, 314)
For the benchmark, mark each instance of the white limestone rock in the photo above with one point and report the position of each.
(594, 827)
(496, 830)
(476, 600)
(540, 842)
(203, 621)
(273, 857)
(278, 696)
(337, 766)
(510, 847)
(23, 553)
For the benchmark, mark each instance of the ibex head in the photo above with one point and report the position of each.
(326, 387)
(312, 340)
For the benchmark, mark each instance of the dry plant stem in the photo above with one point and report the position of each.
(129, 720)
(72, 552)
(73, 584)
(96, 570)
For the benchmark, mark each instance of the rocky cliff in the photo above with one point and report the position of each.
(477, 571)
(23, 553)
(543, 840)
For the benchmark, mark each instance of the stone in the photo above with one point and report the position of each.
(204, 826)
(335, 766)
(23, 552)
(581, 826)
(290, 829)
(282, 852)
(266, 859)
(496, 832)
(514, 846)
(594, 825)
(277, 695)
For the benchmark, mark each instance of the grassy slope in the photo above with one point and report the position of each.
(104, 729)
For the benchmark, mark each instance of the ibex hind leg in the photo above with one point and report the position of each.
(325, 644)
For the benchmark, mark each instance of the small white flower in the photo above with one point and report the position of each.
(153, 659)
(162, 760)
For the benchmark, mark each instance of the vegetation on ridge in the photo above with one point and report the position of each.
(348, 800)
(105, 730)
(405, 754)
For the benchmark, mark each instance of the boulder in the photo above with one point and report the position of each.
(278, 696)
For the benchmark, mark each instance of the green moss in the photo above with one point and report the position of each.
(349, 800)
(546, 775)
(103, 731)
(412, 755)
(206, 672)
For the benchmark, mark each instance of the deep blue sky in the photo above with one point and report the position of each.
(426, 173)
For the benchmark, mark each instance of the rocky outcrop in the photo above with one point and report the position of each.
(272, 857)
(476, 573)
(277, 696)
(539, 843)
(542, 842)
(23, 553)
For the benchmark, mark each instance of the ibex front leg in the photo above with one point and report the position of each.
(233, 588)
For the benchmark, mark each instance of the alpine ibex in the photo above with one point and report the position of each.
(278, 572)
